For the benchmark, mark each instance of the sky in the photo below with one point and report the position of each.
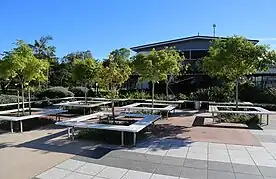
(104, 25)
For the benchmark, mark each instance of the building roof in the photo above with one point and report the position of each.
(152, 45)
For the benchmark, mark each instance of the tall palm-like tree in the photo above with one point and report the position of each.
(42, 50)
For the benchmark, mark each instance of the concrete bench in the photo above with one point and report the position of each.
(43, 112)
(258, 111)
(135, 106)
(133, 128)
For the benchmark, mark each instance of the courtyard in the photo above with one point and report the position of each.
(179, 148)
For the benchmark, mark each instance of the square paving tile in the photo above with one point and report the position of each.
(220, 175)
(198, 156)
(144, 167)
(191, 163)
(70, 164)
(193, 173)
(131, 174)
(157, 151)
(247, 176)
(217, 151)
(112, 173)
(173, 161)
(78, 176)
(91, 169)
(246, 169)
(199, 144)
(168, 170)
(178, 152)
(158, 176)
(201, 150)
(219, 157)
(220, 166)
(54, 173)
(268, 171)
(217, 146)
(235, 147)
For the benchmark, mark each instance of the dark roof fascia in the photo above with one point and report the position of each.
(152, 45)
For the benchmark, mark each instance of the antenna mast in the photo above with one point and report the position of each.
(214, 30)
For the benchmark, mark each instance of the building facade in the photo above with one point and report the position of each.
(193, 49)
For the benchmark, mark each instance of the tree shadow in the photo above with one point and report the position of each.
(161, 137)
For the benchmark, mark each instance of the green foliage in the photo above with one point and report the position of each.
(156, 65)
(115, 71)
(23, 65)
(240, 118)
(181, 96)
(79, 91)
(136, 95)
(85, 71)
(4, 99)
(249, 92)
(214, 93)
(235, 57)
(55, 92)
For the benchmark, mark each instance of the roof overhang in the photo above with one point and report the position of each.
(168, 42)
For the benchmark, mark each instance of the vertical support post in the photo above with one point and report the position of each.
(167, 115)
(11, 127)
(73, 133)
(21, 126)
(267, 119)
(68, 132)
(134, 138)
(213, 117)
(122, 138)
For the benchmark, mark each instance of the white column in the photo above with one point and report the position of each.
(122, 138)
(11, 127)
(21, 126)
(134, 138)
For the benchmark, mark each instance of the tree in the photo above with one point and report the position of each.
(173, 61)
(155, 66)
(114, 72)
(43, 51)
(5, 78)
(24, 67)
(85, 72)
(235, 57)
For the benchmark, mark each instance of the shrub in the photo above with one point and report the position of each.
(251, 93)
(4, 99)
(136, 95)
(213, 93)
(240, 118)
(55, 92)
(79, 91)
(181, 96)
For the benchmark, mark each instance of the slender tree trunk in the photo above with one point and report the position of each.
(112, 104)
(85, 94)
(152, 95)
(29, 96)
(167, 88)
(23, 104)
(18, 103)
(237, 94)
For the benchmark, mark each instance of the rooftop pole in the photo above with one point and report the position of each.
(214, 30)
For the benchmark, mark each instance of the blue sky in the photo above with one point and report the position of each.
(104, 25)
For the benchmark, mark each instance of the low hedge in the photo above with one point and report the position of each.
(55, 92)
(4, 99)
(214, 93)
(79, 91)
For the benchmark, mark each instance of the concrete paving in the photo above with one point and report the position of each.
(48, 154)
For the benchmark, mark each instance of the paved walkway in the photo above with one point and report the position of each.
(174, 159)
